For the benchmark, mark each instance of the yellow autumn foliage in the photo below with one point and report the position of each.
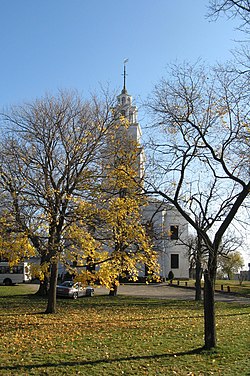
(14, 243)
(108, 239)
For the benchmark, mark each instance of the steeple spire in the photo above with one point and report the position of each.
(125, 105)
(124, 90)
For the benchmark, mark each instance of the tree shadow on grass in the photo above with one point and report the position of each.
(199, 350)
(25, 314)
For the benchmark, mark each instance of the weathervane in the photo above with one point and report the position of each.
(124, 75)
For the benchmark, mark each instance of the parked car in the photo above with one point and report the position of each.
(74, 290)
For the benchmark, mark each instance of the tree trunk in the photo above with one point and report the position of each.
(209, 310)
(114, 290)
(198, 270)
(43, 288)
(51, 305)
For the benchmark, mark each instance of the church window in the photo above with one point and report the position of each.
(174, 261)
(123, 100)
(174, 230)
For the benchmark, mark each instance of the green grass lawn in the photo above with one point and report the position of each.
(118, 336)
(235, 286)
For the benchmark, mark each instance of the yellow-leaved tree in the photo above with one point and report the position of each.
(121, 245)
(50, 157)
(15, 245)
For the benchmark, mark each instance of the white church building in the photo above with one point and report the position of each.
(168, 228)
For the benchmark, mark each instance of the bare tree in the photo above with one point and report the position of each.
(198, 251)
(201, 163)
(239, 9)
(50, 160)
(197, 254)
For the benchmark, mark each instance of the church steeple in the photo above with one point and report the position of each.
(124, 90)
(125, 106)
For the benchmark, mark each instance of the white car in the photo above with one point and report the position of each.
(74, 290)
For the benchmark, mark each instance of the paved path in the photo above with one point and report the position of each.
(164, 291)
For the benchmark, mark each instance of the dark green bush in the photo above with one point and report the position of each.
(170, 276)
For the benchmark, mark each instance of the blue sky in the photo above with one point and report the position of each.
(52, 44)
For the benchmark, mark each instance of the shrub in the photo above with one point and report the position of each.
(170, 276)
